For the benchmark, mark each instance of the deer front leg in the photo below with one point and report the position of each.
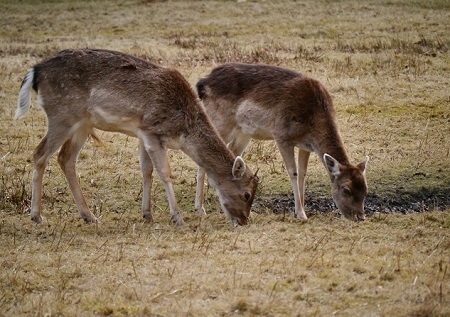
(303, 158)
(200, 192)
(287, 152)
(158, 155)
(67, 159)
(147, 180)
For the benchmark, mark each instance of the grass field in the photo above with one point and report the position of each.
(386, 64)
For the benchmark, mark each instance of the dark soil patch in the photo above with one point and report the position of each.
(401, 201)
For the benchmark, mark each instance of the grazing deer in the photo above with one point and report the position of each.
(85, 89)
(271, 103)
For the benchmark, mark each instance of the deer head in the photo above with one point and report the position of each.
(348, 187)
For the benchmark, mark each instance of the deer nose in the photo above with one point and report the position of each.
(360, 217)
(242, 221)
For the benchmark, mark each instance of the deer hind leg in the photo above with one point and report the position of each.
(287, 152)
(303, 158)
(158, 155)
(67, 159)
(55, 137)
(147, 180)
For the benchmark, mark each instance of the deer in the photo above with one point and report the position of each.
(264, 102)
(82, 90)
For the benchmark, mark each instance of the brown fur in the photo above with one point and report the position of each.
(86, 89)
(266, 102)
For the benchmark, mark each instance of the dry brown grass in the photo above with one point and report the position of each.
(389, 265)
(386, 64)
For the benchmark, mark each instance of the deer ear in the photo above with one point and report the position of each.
(238, 167)
(362, 165)
(332, 165)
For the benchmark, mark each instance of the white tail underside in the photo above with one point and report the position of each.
(24, 95)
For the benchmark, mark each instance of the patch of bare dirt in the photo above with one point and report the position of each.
(401, 201)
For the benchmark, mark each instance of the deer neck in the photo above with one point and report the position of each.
(208, 150)
(331, 143)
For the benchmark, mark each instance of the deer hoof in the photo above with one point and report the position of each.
(36, 218)
(300, 215)
(177, 220)
(200, 211)
(148, 217)
(89, 218)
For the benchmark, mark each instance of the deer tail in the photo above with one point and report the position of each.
(24, 95)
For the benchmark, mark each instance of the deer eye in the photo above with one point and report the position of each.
(247, 196)
(347, 191)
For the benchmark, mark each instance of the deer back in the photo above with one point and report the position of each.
(289, 105)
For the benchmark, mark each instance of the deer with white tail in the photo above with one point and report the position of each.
(271, 103)
(83, 90)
